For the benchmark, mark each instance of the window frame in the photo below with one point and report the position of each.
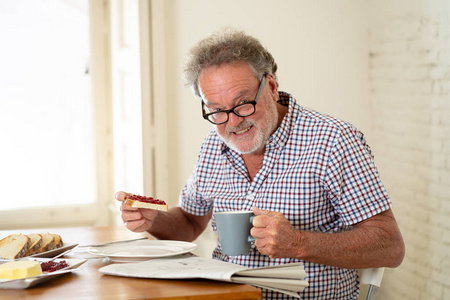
(101, 212)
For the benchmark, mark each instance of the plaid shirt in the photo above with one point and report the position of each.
(318, 171)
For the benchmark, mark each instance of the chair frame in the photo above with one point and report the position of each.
(373, 278)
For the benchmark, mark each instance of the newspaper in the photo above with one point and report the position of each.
(287, 278)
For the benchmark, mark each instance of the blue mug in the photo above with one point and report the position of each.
(234, 228)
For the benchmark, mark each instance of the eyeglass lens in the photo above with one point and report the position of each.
(242, 110)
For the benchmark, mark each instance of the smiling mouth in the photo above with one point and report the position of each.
(243, 130)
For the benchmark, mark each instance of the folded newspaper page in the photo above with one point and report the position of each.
(287, 278)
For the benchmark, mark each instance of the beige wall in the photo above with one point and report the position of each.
(410, 93)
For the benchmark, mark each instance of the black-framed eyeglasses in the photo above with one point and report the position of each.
(242, 110)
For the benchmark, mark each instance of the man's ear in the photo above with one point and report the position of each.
(270, 81)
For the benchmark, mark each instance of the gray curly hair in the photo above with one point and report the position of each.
(228, 46)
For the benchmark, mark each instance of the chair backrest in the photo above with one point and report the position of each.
(373, 278)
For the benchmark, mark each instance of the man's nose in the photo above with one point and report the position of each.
(234, 120)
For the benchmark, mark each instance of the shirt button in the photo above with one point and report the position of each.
(251, 196)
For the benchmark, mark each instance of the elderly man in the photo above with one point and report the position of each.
(309, 178)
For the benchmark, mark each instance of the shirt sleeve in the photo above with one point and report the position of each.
(191, 199)
(356, 190)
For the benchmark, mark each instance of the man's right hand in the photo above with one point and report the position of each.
(135, 219)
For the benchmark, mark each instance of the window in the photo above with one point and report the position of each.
(58, 60)
(49, 124)
(45, 107)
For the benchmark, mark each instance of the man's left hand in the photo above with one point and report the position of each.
(274, 235)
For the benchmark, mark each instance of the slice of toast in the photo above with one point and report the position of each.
(139, 204)
(58, 241)
(48, 241)
(14, 246)
(36, 243)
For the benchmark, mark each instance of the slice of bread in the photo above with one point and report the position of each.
(14, 246)
(48, 241)
(139, 204)
(58, 241)
(36, 243)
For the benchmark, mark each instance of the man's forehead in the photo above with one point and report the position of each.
(234, 97)
(234, 86)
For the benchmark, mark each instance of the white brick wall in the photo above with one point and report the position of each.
(410, 94)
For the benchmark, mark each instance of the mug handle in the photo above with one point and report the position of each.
(250, 237)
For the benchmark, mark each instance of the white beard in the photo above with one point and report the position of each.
(265, 129)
